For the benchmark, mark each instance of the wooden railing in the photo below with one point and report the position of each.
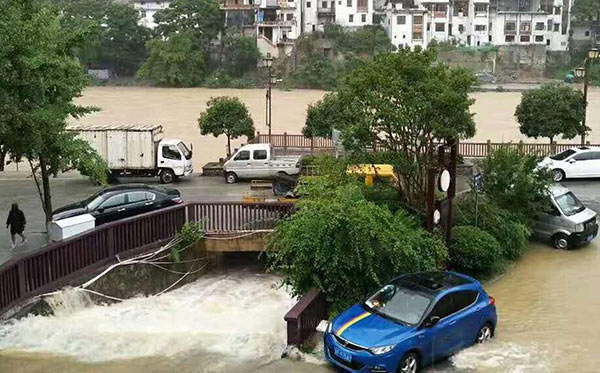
(290, 143)
(304, 317)
(57, 264)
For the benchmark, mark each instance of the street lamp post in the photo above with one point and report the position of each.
(271, 80)
(583, 72)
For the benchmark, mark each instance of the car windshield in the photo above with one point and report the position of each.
(184, 150)
(569, 204)
(563, 155)
(399, 303)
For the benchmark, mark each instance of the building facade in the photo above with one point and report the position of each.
(147, 9)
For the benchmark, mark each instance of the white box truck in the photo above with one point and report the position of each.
(138, 150)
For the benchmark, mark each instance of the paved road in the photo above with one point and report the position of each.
(19, 187)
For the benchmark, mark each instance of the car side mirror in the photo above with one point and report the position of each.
(431, 321)
(572, 160)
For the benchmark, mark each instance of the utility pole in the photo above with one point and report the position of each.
(269, 63)
(584, 72)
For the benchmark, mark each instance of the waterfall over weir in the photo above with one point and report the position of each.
(237, 317)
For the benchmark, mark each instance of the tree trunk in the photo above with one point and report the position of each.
(2, 157)
(47, 197)
(228, 146)
(551, 140)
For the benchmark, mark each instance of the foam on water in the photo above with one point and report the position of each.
(503, 357)
(236, 315)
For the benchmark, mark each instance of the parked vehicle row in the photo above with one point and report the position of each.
(578, 162)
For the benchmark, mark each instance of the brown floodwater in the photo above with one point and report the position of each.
(177, 110)
(548, 309)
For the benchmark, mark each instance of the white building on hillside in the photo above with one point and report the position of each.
(147, 10)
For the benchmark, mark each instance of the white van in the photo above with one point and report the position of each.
(566, 222)
(582, 161)
(258, 161)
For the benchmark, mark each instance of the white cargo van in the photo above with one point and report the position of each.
(138, 150)
(566, 222)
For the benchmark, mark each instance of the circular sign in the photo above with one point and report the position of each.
(436, 216)
(444, 181)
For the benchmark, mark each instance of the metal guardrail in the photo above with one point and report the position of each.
(55, 265)
(304, 317)
(311, 145)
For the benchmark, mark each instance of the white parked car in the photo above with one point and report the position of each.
(583, 161)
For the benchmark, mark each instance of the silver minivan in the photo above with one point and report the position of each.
(566, 222)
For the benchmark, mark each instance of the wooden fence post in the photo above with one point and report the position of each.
(489, 147)
(110, 241)
(553, 147)
(22, 279)
(520, 147)
(311, 144)
(285, 143)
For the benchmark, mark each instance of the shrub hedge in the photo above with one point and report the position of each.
(473, 250)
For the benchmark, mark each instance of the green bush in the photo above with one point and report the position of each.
(511, 180)
(473, 250)
(500, 223)
(189, 234)
(347, 246)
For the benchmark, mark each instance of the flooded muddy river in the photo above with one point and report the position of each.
(548, 307)
(177, 110)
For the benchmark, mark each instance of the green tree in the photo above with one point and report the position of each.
(588, 11)
(202, 18)
(513, 181)
(240, 55)
(174, 62)
(550, 111)
(112, 34)
(406, 103)
(365, 40)
(344, 239)
(323, 116)
(39, 78)
(226, 116)
(316, 71)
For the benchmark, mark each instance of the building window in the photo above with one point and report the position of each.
(401, 20)
(547, 41)
(428, 26)
(525, 38)
(556, 27)
(363, 18)
(479, 27)
(480, 8)
(509, 38)
(308, 4)
(143, 14)
(549, 24)
(525, 27)
(324, 4)
(461, 29)
(490, 38)
(587, 33)
(539, 26)
(440, 27)
(510, 27)
(556, 10)
(348, 2)
(418, 20)
(351, 18)
(539, 38)
(289, 16)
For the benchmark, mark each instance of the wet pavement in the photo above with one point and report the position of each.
(19, 187)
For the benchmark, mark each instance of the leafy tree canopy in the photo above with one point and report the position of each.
(174, 62)
(587, 10)
(240, 54)
(39, 78)
(404, 102)
(550, 111)
(111, 32)
(226, 116)
(202, 18)
(370, 39)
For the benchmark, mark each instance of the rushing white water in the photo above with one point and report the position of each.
(237, 316)
(499, 357)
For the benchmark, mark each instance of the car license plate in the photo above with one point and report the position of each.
(342, 355)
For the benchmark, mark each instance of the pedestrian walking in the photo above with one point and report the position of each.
(16, 222)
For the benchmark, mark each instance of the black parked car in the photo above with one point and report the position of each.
(120, 202)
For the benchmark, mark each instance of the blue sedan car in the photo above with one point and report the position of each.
(411, 322)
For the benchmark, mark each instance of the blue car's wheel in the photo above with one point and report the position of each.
(485, 333)
(409, 363)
